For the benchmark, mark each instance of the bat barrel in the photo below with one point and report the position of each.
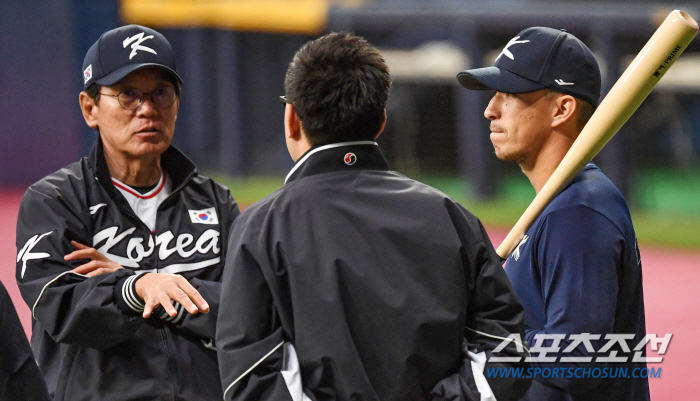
(656, 57)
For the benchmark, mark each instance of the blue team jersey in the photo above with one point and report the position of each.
(578, 271)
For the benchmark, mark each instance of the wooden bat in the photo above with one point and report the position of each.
(645, 71)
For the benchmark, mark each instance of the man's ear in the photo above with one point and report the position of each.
(177, 106)
(565, 112)
(292, 124)
(88, 107)
(381, 128)
(297, 141)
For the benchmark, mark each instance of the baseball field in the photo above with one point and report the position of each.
(669, 239)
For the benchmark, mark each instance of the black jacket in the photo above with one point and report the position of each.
(368, 284)
(20, 378)
(88, 336)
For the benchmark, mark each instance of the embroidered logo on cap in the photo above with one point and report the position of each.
(204, 216)
(87, 74)
(138, 39)
(350, 159)
(507, 52)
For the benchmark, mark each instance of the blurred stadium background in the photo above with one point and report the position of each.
(233, 55)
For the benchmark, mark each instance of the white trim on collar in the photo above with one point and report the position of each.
(324, 147)
(148, 195)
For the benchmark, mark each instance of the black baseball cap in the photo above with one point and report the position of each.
(123, 50)
(539, 58)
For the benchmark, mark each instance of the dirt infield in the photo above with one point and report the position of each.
(670, 291)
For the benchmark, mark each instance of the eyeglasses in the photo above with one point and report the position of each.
(284, 99)
(131, 99)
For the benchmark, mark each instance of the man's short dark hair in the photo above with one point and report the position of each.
(94, 92)
(338, 85)
(585, 109)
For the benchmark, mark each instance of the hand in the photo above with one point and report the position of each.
(99, 263)
(159, 288)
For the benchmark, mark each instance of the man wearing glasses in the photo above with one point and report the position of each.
(120, 254)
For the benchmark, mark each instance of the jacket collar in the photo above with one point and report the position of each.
(177, 166)
(342, 156)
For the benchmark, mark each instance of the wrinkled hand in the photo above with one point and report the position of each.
(159, 288)
(98, 264)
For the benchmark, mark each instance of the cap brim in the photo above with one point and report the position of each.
(497, 79)
(119, 74)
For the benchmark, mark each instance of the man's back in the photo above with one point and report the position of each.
(388, 298)
(372, 276)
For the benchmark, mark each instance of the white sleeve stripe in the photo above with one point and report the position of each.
(125, 295)
(251, 368)
(173, 319)
(49, 283)
(130, 297)
(291, 372)
(478, 363)
(527, 349)
(180, 312)
(164, 314)
(132, 292)
(138, 304)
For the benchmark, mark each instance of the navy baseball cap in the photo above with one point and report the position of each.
(539, 58)
(123, 50)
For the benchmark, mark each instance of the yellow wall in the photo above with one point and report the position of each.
(284, 16)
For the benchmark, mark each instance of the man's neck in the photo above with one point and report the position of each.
(297, 147)
(135, 172)
(538, 168)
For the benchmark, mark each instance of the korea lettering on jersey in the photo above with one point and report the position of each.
(129, 248)
(186, 244)
(110, 241)
(193, 244)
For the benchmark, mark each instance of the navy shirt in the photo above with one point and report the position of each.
(578, 270)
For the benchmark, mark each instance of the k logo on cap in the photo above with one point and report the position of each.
(512, 42)
(136, 46)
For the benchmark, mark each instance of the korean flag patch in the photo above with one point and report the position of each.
(87, 74)
(204, 216)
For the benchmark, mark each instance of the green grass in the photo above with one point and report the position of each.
(514, 195)
(668, 191)
(249, 190)
(681, 231)
(667, 211)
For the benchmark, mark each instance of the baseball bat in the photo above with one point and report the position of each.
(640, 77)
